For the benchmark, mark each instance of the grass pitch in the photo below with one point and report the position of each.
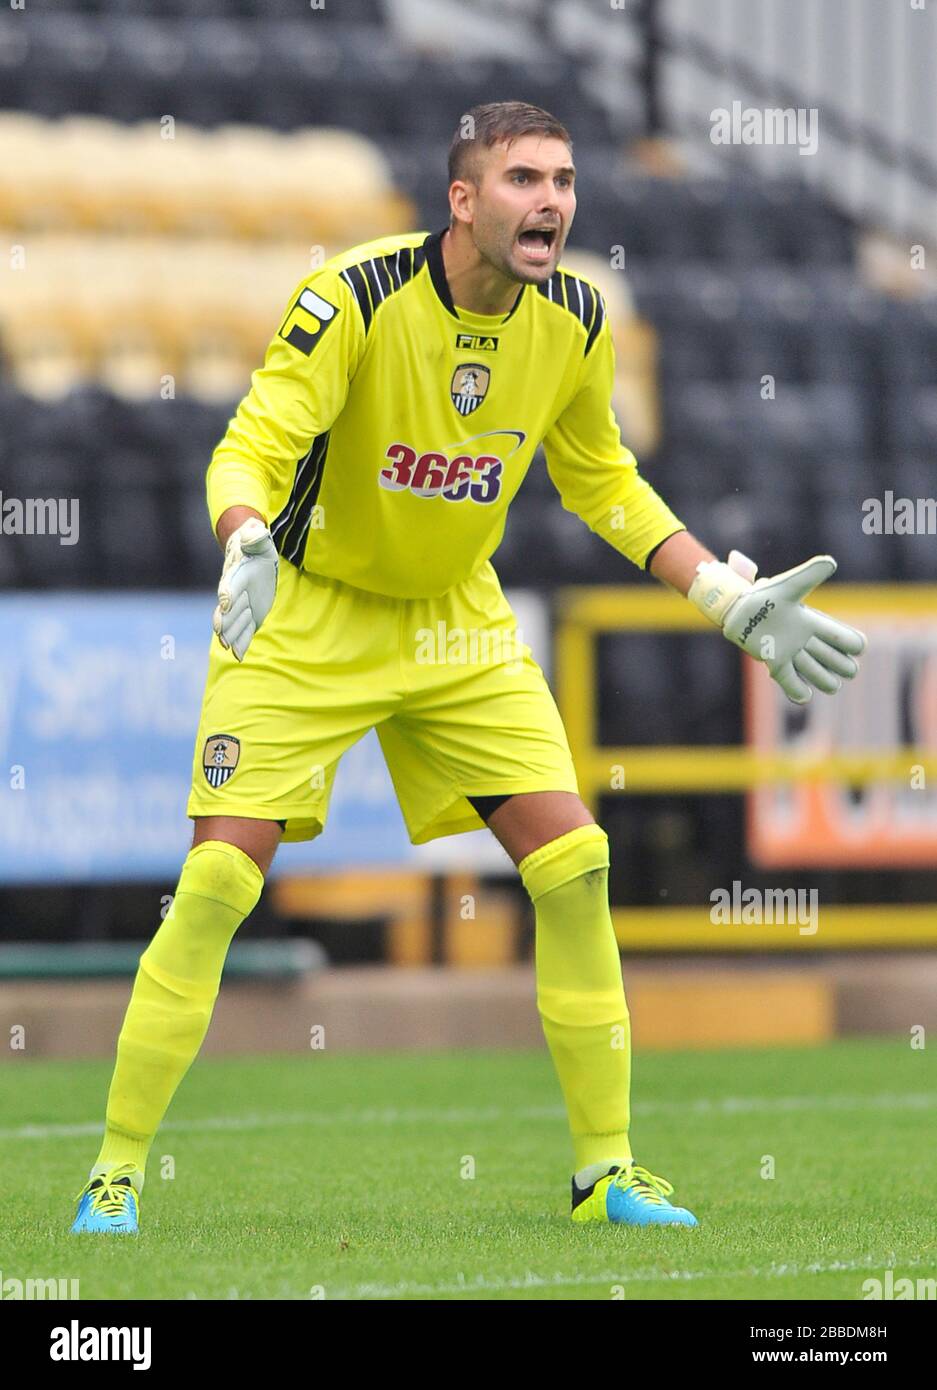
(446, 1176)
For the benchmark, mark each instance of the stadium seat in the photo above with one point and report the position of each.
(335, 132)
(916, 554)
(315, 185)
(911, 413)
(836, 494)
(909, 343)
(638, 675)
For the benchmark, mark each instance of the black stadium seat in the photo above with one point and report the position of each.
(741, 278)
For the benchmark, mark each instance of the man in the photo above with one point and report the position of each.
(359, 493)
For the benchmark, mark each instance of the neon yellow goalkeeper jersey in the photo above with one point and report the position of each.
(387, 430)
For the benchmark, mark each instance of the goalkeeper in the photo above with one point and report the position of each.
(359, 493)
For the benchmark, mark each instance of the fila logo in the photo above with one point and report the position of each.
(476, 342)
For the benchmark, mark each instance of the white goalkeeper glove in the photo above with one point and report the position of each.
(247, 587)
(803, 649)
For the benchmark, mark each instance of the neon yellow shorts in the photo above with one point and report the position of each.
(460, 706)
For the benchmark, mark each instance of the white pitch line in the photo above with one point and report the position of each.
(385, 1115)
(741, 1105)
(482, 1284)
(392, 1115)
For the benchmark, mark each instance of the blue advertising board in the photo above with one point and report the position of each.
(99, 704)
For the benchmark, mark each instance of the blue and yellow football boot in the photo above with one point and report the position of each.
(110, 1201)
(629, 1196)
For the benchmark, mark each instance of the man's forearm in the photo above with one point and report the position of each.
(676, 560)
(231, 519)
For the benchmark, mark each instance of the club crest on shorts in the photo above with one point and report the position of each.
(220, 758)
(469, 386)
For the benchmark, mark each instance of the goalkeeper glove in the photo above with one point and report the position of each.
(247, 587)
(766, 618)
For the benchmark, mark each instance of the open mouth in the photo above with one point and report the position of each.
(537, 242)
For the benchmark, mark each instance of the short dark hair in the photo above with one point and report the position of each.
(495, 123)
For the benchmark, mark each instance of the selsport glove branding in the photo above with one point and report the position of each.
(755, 619)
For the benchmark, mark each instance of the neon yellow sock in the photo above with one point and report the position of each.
(174, 994)
(580, 993)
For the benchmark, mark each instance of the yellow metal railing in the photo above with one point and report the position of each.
(585, 613)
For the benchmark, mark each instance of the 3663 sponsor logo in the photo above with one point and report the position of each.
(466, 476)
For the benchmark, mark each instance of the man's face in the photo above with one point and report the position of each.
(523, 207)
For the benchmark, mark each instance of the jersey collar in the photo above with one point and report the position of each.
(432, 249)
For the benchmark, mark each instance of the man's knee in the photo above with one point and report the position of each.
(258, 839)
(578, 852)
(222, 874)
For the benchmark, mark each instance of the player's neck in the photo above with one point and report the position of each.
(474, 284)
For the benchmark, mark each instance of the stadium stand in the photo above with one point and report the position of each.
(140, 239)
(151, 257)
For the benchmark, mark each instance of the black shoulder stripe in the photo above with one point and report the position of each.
(373, 281)
(569, 295)
(377, 282)
(580, 299)
(358, 286)
(579, 303)
(550, 287)
(588, 298)
(597, 323)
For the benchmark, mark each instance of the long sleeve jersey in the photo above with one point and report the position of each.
(387, 431)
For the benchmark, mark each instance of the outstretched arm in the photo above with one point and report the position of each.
(674, 562)
(597, 477)
(803, 649)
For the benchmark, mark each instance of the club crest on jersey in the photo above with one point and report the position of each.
(469, 386)
(220, 758)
